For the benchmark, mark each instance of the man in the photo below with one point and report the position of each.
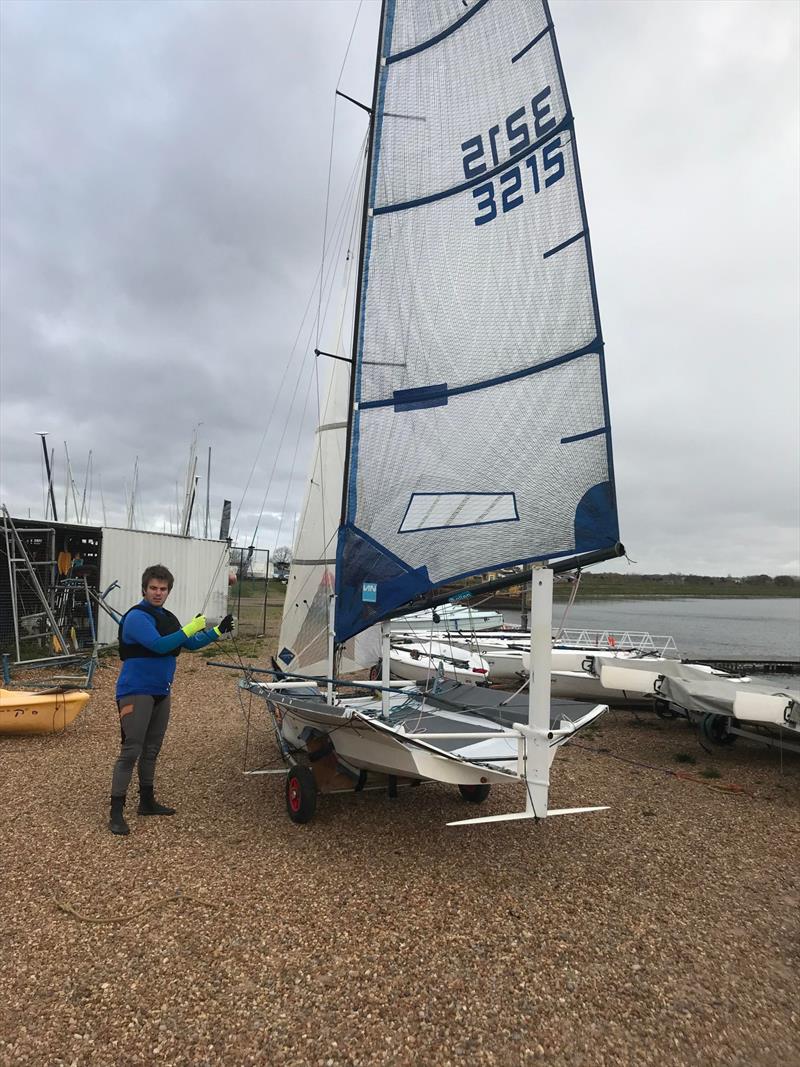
(150, 640)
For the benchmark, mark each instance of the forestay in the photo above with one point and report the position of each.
(480, 429)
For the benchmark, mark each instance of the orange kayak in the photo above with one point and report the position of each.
(39, 713)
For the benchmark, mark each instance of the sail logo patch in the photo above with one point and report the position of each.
(538, 171)
(369, 592)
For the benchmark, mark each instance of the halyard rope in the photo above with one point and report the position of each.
(178, 897)
(721, 787)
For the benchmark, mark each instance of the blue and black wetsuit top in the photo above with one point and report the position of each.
(150, 640)
(166, 623)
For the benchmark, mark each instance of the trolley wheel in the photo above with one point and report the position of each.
(301, 794)
(475, 794)
(715, 728)
(664, 711)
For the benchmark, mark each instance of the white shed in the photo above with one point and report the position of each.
(200, 569)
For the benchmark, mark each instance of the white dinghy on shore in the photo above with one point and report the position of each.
(475, 306)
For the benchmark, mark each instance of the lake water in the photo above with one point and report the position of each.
(724, 628)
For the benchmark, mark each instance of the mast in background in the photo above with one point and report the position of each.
(132, 502)
(208, 494)
(49, 470)
(225, 522)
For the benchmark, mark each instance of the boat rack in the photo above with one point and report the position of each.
(640, 642)
(51, 610)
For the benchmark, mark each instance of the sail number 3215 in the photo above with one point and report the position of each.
(540, 170)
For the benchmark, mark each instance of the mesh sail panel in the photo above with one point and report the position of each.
(303, 641)
(480, 431)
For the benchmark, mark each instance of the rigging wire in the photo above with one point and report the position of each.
(323, 282)
(347, 206)
(354, 183)
(571, 601)
(276, 396)
(349, 275)
(330, 167)
(300, 425)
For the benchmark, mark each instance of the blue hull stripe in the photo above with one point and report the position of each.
(590, 349)
(439, 36)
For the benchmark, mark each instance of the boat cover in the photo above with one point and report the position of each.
(719, 696)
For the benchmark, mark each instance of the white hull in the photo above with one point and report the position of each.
(363, 741)
(577, 685)
(451, 618)
(363, 745)
(576, 674)
(620, 680)
(574, 671)
(419, 661)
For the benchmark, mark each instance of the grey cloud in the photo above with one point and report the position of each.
(163, 177)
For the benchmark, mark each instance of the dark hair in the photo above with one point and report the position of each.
(160, 572)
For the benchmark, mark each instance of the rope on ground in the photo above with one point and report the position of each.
(62, 905)
(722, 787)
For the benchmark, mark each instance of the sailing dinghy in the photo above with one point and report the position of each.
(470, 424)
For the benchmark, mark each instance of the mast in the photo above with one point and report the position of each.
(70, 484)
(85, 485)
(361, 258)
(132, 501)
(102, 499)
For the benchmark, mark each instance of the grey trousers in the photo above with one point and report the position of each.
(143, 721)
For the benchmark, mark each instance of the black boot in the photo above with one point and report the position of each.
(148, 805)
(116, 823)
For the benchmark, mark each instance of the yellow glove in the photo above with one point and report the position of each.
(197, 624)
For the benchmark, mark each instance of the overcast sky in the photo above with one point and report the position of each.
(164, 172)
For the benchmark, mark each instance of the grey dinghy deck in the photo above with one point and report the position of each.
(463, 735)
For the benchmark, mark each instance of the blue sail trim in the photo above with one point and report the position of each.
(592, 349)
(596, 523)
(564, 244)
(424, 396)
(484, 176)
(477, 5)
(397, 584)
(391, 582)
(530, 45)
(583, 436)
(589, 257)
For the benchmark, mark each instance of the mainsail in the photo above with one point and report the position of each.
(480, 432)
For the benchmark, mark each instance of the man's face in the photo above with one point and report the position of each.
(156, 592)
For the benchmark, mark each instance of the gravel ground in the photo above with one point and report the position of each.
(664, 931)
